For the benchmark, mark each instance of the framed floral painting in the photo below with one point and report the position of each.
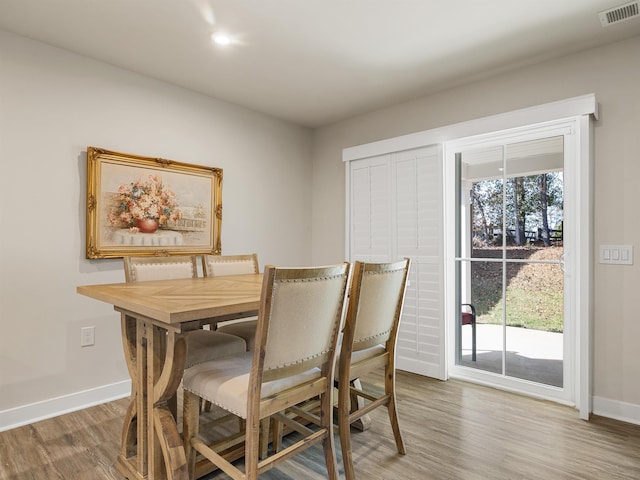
(151, 206)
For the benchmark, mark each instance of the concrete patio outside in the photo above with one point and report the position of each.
(531, 354)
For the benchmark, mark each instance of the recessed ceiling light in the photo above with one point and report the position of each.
(221, 39)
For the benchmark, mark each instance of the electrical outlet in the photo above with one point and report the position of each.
(87, 336)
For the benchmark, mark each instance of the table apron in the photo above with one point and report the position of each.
(188, 325)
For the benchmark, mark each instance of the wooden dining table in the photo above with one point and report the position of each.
(154, 315)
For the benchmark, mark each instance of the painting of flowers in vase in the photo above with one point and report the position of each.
(144, 205)
(150, 206)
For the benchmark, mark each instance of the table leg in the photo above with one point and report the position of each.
(151, 446)
(167, 359)
(154, 353)
(131, 461)
(128, 325)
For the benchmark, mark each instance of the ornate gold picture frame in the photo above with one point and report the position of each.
(151, 206)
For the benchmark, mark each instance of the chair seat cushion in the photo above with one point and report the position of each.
(245, 330)
(360, 355)
(225, 382)
(205, 345)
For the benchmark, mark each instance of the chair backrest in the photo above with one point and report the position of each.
(140, 269)
(375, 304)
(301, 313)
(468, 318)
(217, 265)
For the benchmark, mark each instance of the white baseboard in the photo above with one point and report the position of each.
(26, 414)
(625, 412)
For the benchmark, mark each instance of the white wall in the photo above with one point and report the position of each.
(53, 104)
(613, 74)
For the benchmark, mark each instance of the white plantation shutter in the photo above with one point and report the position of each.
(395, 212)
(418, 235)
(370, 238)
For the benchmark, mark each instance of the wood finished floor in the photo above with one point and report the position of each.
(452, 430)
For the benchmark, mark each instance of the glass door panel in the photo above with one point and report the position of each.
(510, 255)
(482, 177)
(533, 196)
(535, 323)
(481, 303)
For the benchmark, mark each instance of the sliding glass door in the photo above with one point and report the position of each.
(510, 323)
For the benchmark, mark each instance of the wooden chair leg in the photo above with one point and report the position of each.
(264, 437)
(395, 426)
(390, 391)
(190, 428)
(345, 399)
(326, 423)
(277, 432)
(252, 451)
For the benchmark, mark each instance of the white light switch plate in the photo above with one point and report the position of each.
(616, 254)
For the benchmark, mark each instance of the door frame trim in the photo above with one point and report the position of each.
(567, 128)
(578, 240)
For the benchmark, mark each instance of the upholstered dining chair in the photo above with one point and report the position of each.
(202, 345)
(301, 311)
(216, 265)
(368, 344)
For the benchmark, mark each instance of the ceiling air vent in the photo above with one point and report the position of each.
(618, 14)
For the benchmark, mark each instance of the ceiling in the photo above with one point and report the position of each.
(314, 62)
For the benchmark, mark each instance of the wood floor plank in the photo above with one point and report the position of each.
(453, 431)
